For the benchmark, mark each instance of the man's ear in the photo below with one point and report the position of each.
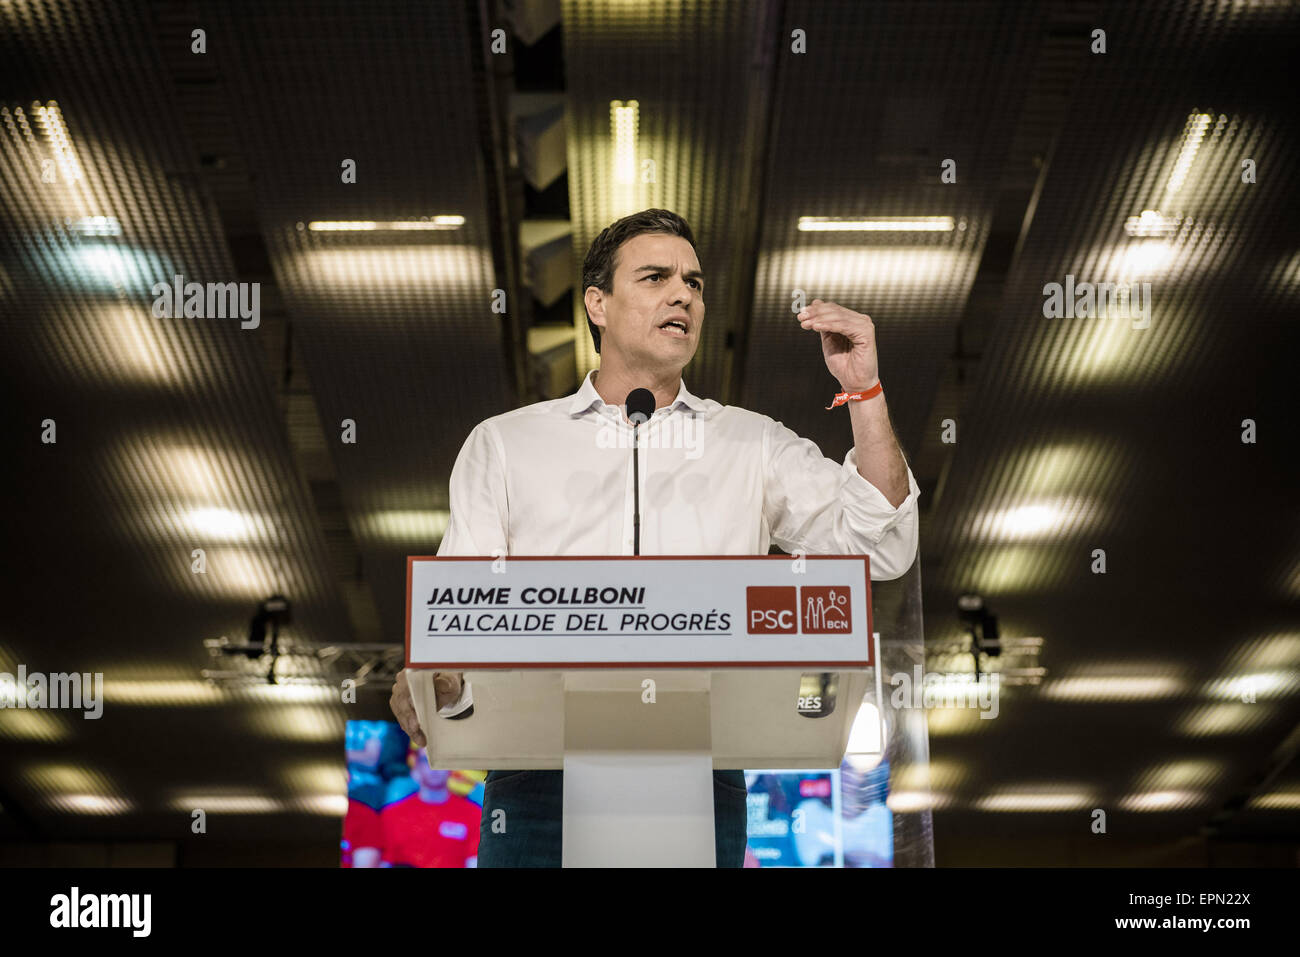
(593, 298)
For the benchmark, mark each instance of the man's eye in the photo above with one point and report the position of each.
(695, 282)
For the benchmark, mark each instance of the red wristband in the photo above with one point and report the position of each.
(842, 397)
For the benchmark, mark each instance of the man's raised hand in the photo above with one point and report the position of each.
(848, 343)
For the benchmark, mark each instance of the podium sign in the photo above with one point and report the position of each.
(719, 611)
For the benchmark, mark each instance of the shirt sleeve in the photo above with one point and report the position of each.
(480, 516)
(816, 506)
(479, 519)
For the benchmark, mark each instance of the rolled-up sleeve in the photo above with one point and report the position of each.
(480, 516)
(816, 506)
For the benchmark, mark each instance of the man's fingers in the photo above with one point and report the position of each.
(403, 708)
(410, 723)
(446, 687)
(838, 323)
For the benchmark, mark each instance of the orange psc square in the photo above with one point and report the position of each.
(772, 609)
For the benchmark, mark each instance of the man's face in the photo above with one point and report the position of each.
(656, 278)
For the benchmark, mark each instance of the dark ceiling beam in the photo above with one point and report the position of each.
(1044, 116)
(227, 182)
(503, 184)
(755, 149)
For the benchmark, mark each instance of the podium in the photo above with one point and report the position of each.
(638, 723)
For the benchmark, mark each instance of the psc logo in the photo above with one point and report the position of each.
(772, 609)
(777, 610)
(826, 610)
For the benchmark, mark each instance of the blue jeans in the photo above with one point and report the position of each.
(534, 806)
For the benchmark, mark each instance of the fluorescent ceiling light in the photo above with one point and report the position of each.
(1145, 259)
(227, 804)
(161, 693)
(50, 120)
(97, 804)
(876, 273)
(1213, 719)
(1151, 223)
(405, 525)
(116, 343)
(1272, 651)
(309, 690)
(937, 773)
(355, 226)
(27, 725)
(323, 274)
(66, 777)
(1035, 801)
(942, 722)
(96, 226)
(906, 224)
(1034, 520)
(323, 777)
(1266, 684)
(1193, 133)
(298, 722)
(220, 523)
(1277, 801)
(1180, 775)
(1162, 801)
(330, 805)
(624, 119)
(237, 572)
(109, 264)
(1112, 688)
(1028, 520)
(909, 802)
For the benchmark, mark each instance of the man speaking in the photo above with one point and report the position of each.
(545, 480)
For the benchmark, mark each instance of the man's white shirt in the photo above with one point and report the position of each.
(555, 478)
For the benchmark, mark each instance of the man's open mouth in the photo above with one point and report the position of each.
(674, 325)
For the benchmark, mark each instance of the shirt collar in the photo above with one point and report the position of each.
(587, 396)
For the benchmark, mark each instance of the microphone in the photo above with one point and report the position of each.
(640, 406)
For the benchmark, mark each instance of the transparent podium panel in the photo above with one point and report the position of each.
(899, 622)
(874, 810)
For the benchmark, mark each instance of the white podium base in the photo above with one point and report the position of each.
(645, 809)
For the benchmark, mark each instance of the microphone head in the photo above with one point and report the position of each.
(640, 405)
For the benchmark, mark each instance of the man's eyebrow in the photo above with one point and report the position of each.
(693, 274)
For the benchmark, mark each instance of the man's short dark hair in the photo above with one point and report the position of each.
(602, 258)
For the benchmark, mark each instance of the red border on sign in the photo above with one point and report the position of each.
(645, 665)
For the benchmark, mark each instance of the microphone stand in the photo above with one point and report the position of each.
(636, 490)
(640, 407)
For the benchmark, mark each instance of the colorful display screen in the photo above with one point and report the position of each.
(401, 812)
(835, 818)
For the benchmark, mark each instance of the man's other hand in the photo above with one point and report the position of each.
(446, 687)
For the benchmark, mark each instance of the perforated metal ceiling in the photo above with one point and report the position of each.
(1071, 434)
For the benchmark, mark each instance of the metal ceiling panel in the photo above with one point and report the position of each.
(396, 327)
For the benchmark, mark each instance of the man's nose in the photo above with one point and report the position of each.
(682, 293)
